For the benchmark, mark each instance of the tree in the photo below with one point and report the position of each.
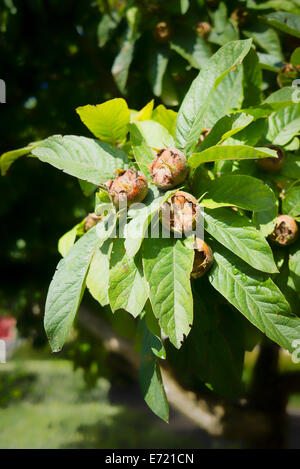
(193, 319)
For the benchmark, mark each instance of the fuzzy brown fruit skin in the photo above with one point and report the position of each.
(180, 213)
(91, 220)
(241, 16)
(285, 232)
(169, 168)
(130, 184)
(162, 32)
(203, 29)
(272, 164)
(203, 259)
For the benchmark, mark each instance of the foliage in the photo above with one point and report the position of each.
(150, 278)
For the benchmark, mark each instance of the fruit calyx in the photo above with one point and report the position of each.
(203, 259)
(180, 213)
(285, 232)
(272, 164)
(130, 185)
(169, 168)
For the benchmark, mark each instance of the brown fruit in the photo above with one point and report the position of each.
(285, 231)
(203, 258)
(128, 184)
(240, 15)
(162, 32)
(179, 214)
(91, 220)
(272, 164)
(203, 29)
(169, 168)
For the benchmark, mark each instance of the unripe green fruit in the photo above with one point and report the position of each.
(169, 168)
(203, 259)
(272, 164)
(128, 184)
(285, 232)
(179, 214)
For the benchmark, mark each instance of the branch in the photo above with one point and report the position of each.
(215, 418)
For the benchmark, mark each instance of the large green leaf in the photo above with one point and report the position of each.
(284, 124)
(122, 62)
(167, 266)
(280, 98)
(294, 271)
(229, 152)
(150, 377)
(265, 221)
(81, 157)
(147, 137)
(97, 280)
(252, 79)
(158, 63)
(108, 121)
(291, 202)
(67, 241)
(192, 113)
(238, 234)
(127, 286)
(256, 296)
(239, 190)
(285, 21)
(142, 215)
(68, 284)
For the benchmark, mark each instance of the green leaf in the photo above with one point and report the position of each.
(285, 21)
(192, 113)
(107, 121)
(97, 280)
(8, 158)
(88, 188)
(192, 48)
(142, 215)
(241, 191)
(150, 377)
(229, 152)
(127, 286)
(294, 268)
(158, 63)
(106, 27)
(291, 202)
(266, 38)
(184, 6)
(252, 79)
(291, 167)
(145, 113)
(280, 98)
(226, 127)
(68, 284)
(265, 221)
(284, 124)
(167, 266)
(82, 157)
(255, 296)
(122, 62)
(146, 137)
(67, 241)
(295, 57)
(165, 117)
(269, 62)
(237, 234)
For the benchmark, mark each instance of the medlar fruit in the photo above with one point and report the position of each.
(179, 214)
(203, 259)
(203, 29)
(162, 32)
(91, 220)
(240, 15)
(272, 164)
(169, 168)
(285, 231)
(129, 184)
